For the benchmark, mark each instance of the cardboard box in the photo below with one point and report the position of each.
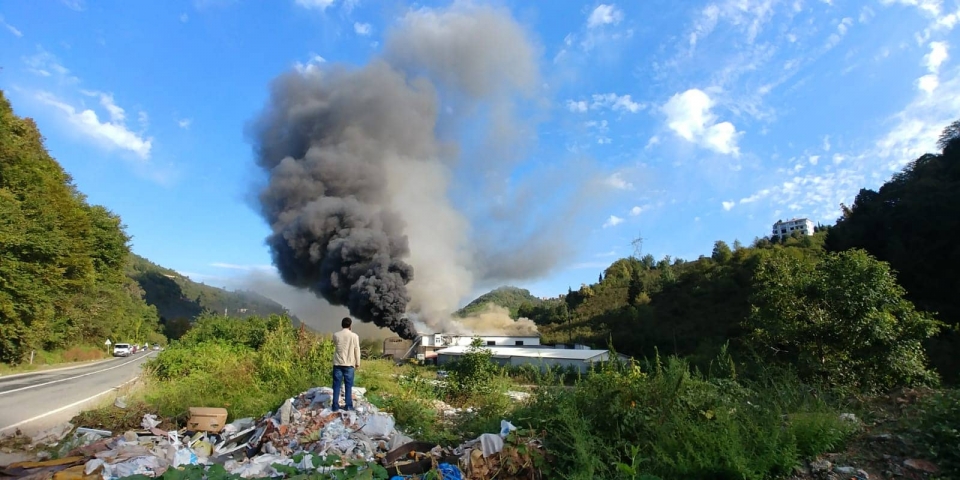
(206, 419)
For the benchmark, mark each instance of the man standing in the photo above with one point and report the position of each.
(345, 359)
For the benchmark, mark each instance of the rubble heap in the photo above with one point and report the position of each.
(304, 434)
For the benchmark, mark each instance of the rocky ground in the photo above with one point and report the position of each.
(883, 449)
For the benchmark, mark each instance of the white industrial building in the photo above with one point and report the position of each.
(786, 228)
(425, 346)
(579, 358)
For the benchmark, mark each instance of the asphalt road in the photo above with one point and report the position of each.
(36, 401)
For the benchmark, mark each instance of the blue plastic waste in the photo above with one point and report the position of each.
(447, 472)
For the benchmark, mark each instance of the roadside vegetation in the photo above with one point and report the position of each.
(747, 362)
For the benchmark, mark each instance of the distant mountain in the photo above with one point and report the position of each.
(508, 297)
(179, 300)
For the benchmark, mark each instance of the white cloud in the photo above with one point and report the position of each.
(912, 132)
(311, 67)
(866, 14)
(143, 119)
(362, 29)
(842, 28)
(46, 64)
(689, 116)
(184, 17)
(16, 33)
(654, 140)
(918, 126)
(639, 209)
(749, 16)
(318, 4)
(756, 196)
(728, 205)
(814, 159)
(577, 107)
(604, 15)
(78, 5)
(617, 103)
(928, 83)
(112, 134)
(826, 143)
(617, 181)
(936, 57)
(117, 114)
(933, 60)
(184, 123)
(613, 221)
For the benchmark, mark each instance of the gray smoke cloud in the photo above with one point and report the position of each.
(357, 183)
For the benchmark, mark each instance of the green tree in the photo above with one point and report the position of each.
(721, 252)
(841, 319)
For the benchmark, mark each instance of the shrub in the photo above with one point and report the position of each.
(938, 430)
(670, 421)
(474, 373)
(217, 367)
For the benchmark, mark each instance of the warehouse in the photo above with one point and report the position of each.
(426, 345)
(579, 359)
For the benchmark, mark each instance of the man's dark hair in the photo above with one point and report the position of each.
(346, 322)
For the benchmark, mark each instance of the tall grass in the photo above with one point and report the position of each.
(672, 421)
(249, 369)
(43, 359)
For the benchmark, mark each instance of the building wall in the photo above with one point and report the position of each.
(543, 363)
(396, 347)
(444, 340)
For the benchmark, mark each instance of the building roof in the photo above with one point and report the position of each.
(505, 352)
(477, 335)
(793, 220)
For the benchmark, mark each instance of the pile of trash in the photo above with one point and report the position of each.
(303, 435)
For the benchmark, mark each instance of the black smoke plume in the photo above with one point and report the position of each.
(325, 141)
(357, 190)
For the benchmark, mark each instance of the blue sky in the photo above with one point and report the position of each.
(707, 120)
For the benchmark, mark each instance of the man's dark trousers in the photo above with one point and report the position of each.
(342, 374)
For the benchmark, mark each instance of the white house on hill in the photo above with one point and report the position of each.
(785, 229)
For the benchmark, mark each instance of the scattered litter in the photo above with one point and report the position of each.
(120, 403)
(300, 435)
(53, 435)
(149, 421)
(517, 396)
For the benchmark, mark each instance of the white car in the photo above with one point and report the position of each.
(122, 350)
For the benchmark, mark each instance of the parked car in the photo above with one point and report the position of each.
(122, 350)
(156, 346)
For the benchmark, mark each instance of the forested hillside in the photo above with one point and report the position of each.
(62, 279)
(508, 297)
(913, 222)
(840, 300)
(179, 300)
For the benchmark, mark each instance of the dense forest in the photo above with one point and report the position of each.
(862, 297)
(62, 260)
(180, 301)
(67, 275)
